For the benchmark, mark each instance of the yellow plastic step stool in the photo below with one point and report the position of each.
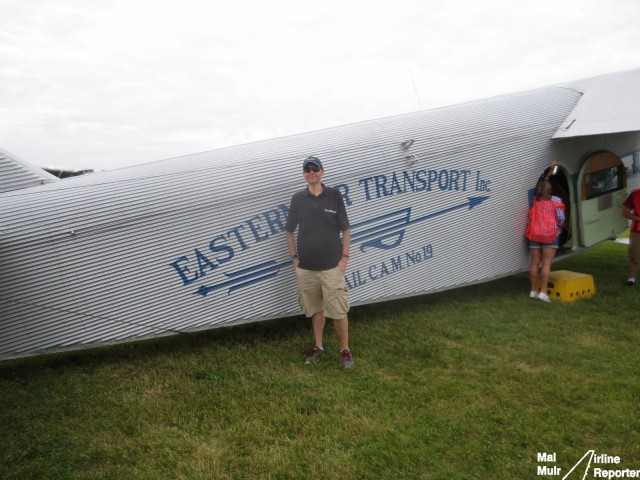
(569, 286)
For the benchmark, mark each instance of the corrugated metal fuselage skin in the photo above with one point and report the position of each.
(16, 174)
(198, 242)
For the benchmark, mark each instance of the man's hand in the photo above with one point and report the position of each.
(342, 264)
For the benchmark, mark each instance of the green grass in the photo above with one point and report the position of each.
(465, 384)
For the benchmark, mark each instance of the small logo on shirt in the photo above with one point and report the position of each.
(330, 211)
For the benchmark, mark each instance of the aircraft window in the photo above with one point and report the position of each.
(632, 163)
(604, 181)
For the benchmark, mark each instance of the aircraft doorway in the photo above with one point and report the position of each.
(602, 188)
(560, 188)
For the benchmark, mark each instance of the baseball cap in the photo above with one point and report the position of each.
(312, 159)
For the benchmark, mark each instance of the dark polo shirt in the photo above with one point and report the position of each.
(320, 220)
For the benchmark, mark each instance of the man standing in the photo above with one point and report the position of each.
(631, 210)
(320, 257)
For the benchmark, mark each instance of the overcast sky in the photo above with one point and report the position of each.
(110, 83)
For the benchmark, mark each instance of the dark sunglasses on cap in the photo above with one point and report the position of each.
(311, 168)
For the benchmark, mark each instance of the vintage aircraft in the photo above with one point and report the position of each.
(437, 199)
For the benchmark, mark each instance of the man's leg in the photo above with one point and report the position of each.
(310, 298)
(342, 330)
(337, 307)
(336, 303)
(341, 327)
(317, 324)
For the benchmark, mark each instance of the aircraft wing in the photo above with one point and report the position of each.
(609, 104)
(17, 174)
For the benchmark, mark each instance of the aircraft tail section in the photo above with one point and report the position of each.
(16, 174)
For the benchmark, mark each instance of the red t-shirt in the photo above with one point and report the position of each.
(633, 203)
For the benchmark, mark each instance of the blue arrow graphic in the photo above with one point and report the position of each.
(395, 223)
(246, 277)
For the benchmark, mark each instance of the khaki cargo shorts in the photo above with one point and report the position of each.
(322, 291)
(634, 247)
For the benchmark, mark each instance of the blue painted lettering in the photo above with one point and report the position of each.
(366, 181)
(412, 257)
(421, 180)
(464, 179)
(384, 270)
(482, 185)
(255, 229)
(204, 263)
(454, 179)
(348, 283)
(221, 248)
(285, 209)
(273, 221)
(433, 176)
(396, 264)
(225, 246)
(354, 280)
(183, 270)
(444, 175)
(381, 185)
(410, 179)
(395, 185)
(406, 181)
(344, 190)
(372, 272)
(236, 232)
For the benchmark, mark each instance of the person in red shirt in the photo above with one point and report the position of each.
(631, 211)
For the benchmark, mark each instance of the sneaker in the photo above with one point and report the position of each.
(631, 283)
(315, 354)
(347, 359)
(544, 297)
(533, 294)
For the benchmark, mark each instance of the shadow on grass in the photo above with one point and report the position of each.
(172, 345)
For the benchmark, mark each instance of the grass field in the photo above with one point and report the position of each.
(465, 384)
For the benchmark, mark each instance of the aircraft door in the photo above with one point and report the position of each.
(560, 188)
(601, 190)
